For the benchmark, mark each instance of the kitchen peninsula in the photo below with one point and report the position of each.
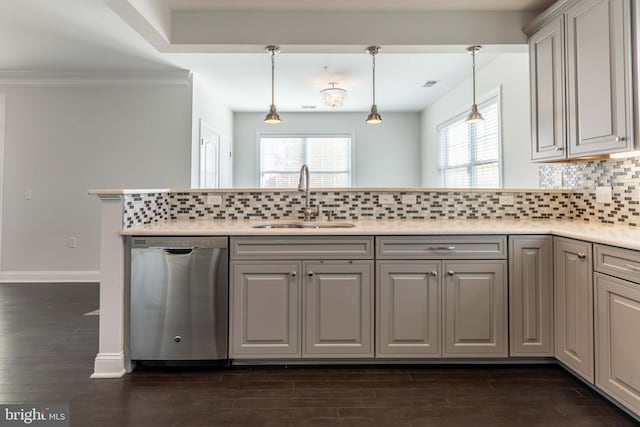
(472, 254)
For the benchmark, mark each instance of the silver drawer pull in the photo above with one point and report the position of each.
(293, 274)
(442, 248)
(310, 274)
(582, 255)
(620, 138)
(434, 273)
(632, 267)
(451, 273)
(559, 148)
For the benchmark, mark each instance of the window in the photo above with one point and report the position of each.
(328, 158)
(469, 154)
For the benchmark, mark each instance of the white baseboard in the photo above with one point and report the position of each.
(109, 365)
(49, 276)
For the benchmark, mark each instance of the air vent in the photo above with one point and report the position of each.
(308, 107)
(430, 83)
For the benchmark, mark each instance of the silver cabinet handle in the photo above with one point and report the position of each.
(441, 248)
(434, 273)
(177, 338)
(582, 255)
(451, 273)
(620, 138)
(632, 267)
(559, 148)
(293, 274)
(310, 274)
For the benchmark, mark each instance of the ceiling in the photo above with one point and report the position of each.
(456, 5)
(88, 36)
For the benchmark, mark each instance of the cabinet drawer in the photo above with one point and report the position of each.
(441, 247)
(617, 262)
(301, 247)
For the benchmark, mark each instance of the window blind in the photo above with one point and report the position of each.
(469, 154)
(328, 158)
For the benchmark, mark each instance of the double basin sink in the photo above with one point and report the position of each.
(303, 224)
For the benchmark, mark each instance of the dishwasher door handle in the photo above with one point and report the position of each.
(178, 251)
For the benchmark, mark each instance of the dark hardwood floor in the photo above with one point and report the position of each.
(47, 348)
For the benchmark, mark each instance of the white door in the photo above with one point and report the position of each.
(209, 156)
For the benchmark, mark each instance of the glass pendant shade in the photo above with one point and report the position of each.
(474, 115)
(272, 116)
(333, 97)
(374, 118)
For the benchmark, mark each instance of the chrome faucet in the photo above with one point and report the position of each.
(303, 185)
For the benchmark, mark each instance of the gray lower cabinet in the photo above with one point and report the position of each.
(338, 309)
(531, 296)
(408, 309)
(573, 283)
(265, 309)
(617, 343)
(475, 308)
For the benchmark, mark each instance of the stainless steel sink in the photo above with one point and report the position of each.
(303, 224)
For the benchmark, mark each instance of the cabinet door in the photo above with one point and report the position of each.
(617, 343)
(338, 309)
(475, 310)
(599, 77)
(574, 305)
(408, 309)
(531, 296)
(547, 74)
(265, 310)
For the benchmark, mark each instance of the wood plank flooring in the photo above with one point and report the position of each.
(47, 348)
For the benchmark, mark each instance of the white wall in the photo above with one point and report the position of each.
(386, 155)
(62, 141)
(511, 73)
(208, 106)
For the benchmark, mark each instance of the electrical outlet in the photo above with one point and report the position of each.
(28, 193)
(408, 199)
(556, 178)
(214, 199)
(505, 200)
(72, 242)
(386, 199)
(604, 195)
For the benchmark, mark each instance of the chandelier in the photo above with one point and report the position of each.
(333, 97)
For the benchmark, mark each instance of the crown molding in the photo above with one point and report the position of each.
(118, 78)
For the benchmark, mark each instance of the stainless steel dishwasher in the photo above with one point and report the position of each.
(179, 298)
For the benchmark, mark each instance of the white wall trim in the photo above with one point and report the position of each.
(49, 276)
(43, 79)
(3, 121)
(109, 365)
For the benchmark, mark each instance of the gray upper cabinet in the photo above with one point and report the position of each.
(531, 296)
(475, 309)
(573, 283)
(599, 77)
(581, 75)
(338, 309)
(547, 73)
(408, 309)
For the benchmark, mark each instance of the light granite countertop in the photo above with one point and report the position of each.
(615, 235)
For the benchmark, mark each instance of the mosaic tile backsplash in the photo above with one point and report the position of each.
(623, 175)
(347, 205)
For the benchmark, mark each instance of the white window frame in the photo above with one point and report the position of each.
(496, 93)
(306, 135)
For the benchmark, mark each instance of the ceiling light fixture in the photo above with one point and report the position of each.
(374, 118)
(474, 115)
(333, 97)
(272, 116)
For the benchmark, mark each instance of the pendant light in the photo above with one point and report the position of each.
(474, 115)
(333, 97)
(272, 116)
(374, 118)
